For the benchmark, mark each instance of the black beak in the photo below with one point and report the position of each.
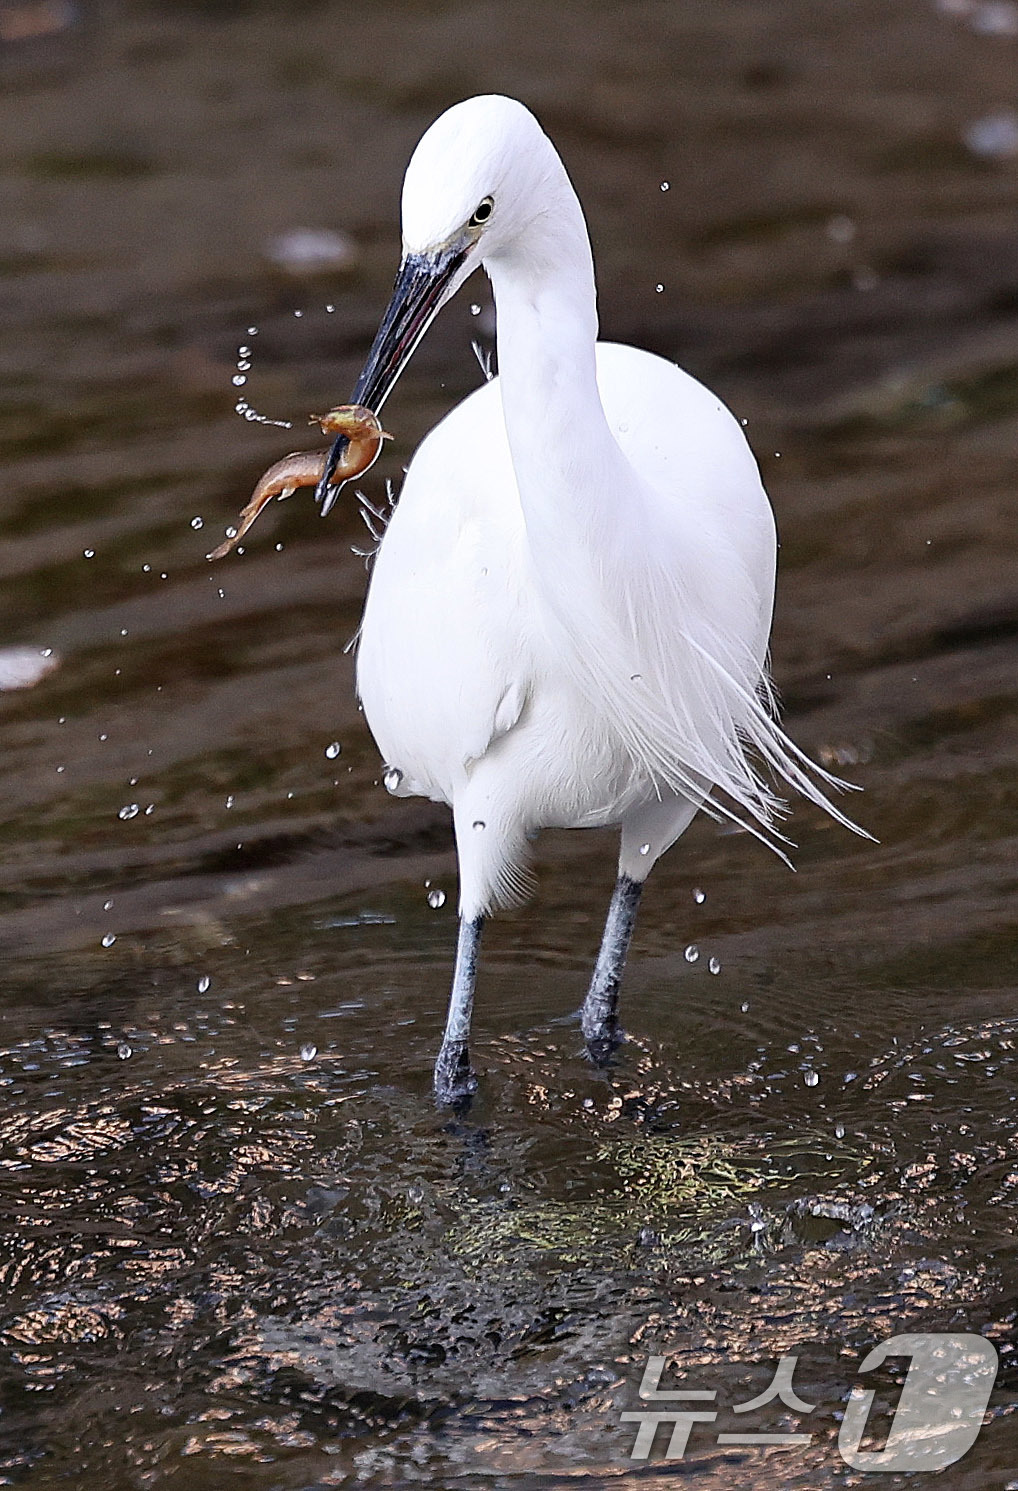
(420, 288)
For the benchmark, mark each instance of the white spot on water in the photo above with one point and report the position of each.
(994, 137)
(840, 228)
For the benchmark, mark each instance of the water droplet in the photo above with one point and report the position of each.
(124, 1051)
(298, 314)
(839, 1131)
(849, 1077)
(109, 939)
(129, 810)
(239, 380)
(475, 310)
(107, 905)
(436, 898)
(714, 965)
(197, 522)
(811, 1078)
(699, 896)
(308, 1051)
(692, 953)
(744, 1007)
(150, 810)
(644, 848)
(243, 351)
(146, 569)
(636, 678)
(89, 553)
(333, 750)
(330, 309)
(231, 533)
(230, 800)
(659, 287)
(479, 825)
(204, 984)
(665, 186)
(243, 365)
(252, 331)
(392, 778)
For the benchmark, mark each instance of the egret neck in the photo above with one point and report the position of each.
(564, 453)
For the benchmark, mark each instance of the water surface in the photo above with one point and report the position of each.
(240, 1246)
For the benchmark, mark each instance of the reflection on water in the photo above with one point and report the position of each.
(239, 1242)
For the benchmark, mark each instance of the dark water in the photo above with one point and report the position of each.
(240, 1247)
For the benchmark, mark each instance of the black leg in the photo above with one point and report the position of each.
(599, 1017)
(455, 1082)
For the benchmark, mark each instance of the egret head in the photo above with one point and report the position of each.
(472, 185)
(474, 178)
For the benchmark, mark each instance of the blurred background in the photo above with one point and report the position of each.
(239, 1246)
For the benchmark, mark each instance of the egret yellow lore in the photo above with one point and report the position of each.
(567, 619)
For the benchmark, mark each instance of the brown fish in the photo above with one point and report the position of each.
(304, 468)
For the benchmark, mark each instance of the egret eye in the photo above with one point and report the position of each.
(482, 212)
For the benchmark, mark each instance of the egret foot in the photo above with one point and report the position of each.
(455, 1081)
(599, 1017)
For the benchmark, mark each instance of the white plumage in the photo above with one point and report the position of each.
(568, 616)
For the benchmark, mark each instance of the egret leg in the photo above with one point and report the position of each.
(454, 1081)
(599, 1017)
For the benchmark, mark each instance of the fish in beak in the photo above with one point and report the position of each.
(424, 282)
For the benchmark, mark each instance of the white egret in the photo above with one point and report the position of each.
(568, 616)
